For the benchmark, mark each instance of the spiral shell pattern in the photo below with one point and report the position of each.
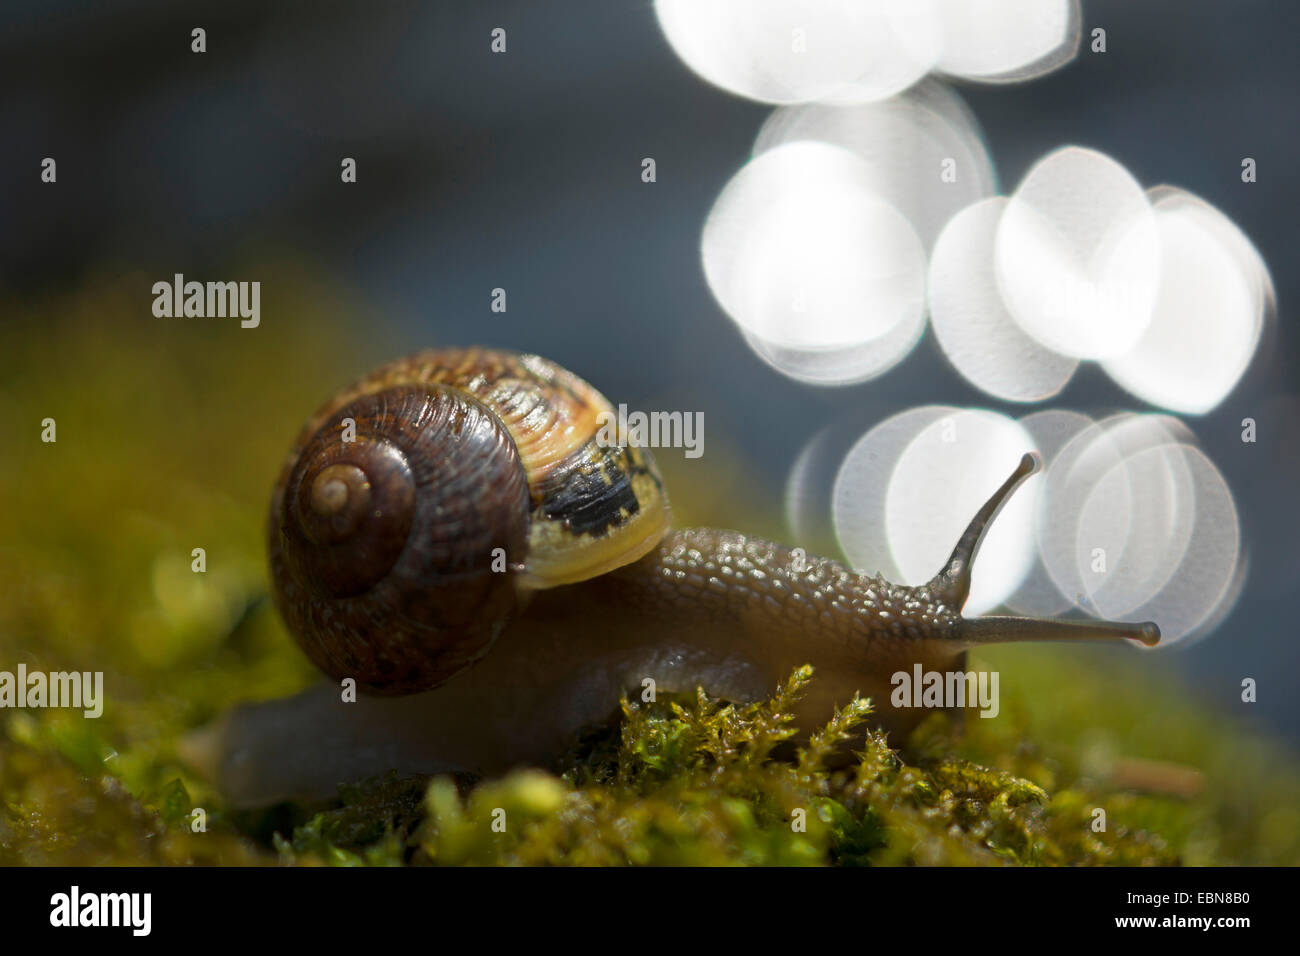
(473, 477)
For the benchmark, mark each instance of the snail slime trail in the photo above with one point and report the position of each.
(380, 558)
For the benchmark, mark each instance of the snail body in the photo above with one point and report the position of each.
(493, 578)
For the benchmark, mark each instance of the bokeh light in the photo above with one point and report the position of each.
(869, 207)
(908, 488)
(943, 477)
(1051, 430)
(907, 142)
(1078, 255)
(971, 323)
(1007, 41)
(825, 278)
(859, 51)
(860, 489)
(1129, 520)
(844, 51)
(1214, 295)
(1138, 524)
(818, 247)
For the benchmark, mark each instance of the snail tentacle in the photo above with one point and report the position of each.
(952, 584)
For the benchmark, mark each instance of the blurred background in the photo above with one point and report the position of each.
(522, 171)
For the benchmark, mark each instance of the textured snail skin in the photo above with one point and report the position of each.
(720, 610)
(706, 608)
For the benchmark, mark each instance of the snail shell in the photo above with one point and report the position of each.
(474, 478)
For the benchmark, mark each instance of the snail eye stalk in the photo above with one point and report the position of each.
(952, 586)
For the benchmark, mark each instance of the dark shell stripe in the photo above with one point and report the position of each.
(594, 490)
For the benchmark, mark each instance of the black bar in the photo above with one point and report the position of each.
(218, 906)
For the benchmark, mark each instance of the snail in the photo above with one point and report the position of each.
(451, 534)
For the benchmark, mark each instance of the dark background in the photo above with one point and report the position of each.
(523, 171)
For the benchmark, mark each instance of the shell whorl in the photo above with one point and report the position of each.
(381, 548)
(475, 476)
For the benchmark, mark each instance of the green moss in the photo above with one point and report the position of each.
(170, 433)
(698, 783)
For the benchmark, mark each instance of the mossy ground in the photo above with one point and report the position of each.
(169, 434)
